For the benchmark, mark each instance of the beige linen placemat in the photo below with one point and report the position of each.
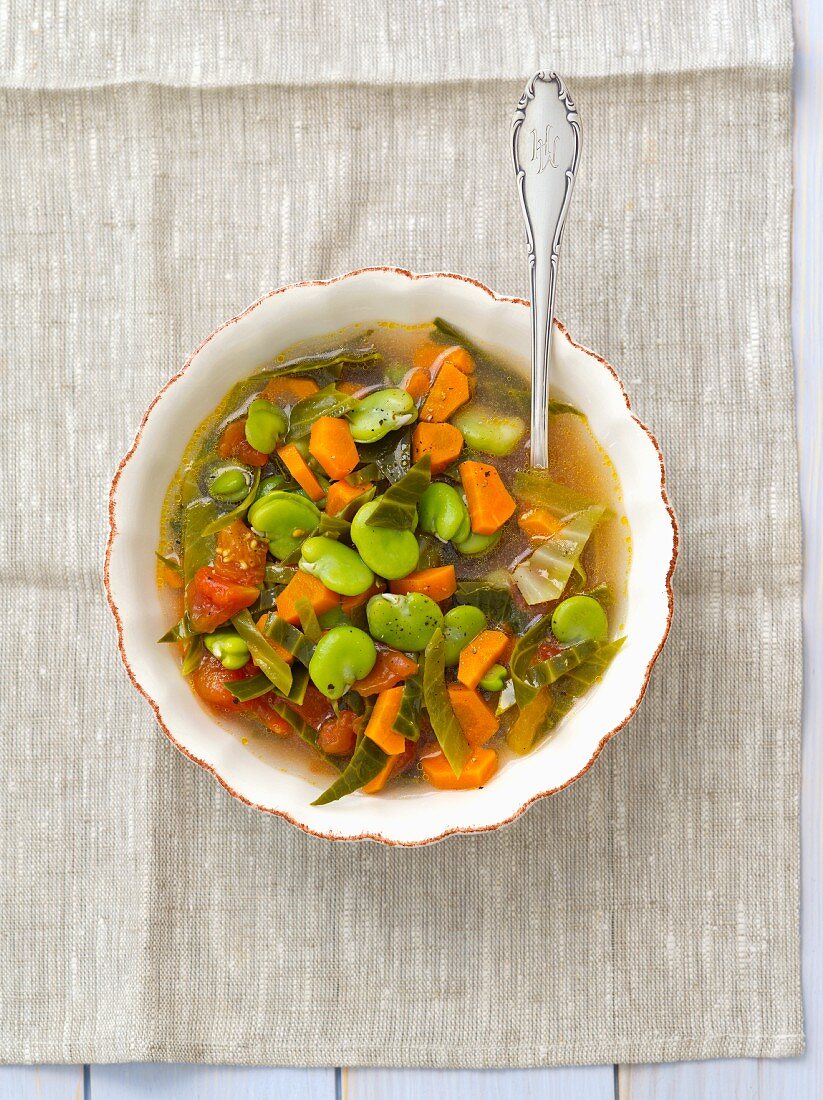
(159, 169)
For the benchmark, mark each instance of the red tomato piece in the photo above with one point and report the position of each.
(233, 444)
(315, 708)
(337, 736)
(390, 668)
(208, 679)
(240, 554)
(212, 599)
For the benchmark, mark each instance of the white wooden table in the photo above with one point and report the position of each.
(794, 1079)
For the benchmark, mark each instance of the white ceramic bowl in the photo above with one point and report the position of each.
(415, 814)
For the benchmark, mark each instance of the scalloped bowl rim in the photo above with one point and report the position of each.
(417, 815)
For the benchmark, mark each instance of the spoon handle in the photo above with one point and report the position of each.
(546, 151)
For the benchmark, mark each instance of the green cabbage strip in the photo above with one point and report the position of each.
(263, 653)
(308, 619)
(278, 574)
(493, 599)
(407, 722)
(522, 660)
(198, 547)
(558, 408)
(578, 681)
(369, 472)
(444, 722)
(327, 402)
(332, 362)
(537, 488)
(251, 688)
(290, 638)
(545, 574)
(180, 632)
(169, 563)
(367, 761)
(546, 672)
(195, 649)
(391, 455)
(398, 505)
(238, 512)
(335, 527)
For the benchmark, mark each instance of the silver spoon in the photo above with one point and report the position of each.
(546, 150)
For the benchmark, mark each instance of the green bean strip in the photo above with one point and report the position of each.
(407, 722)
(366, 763)
(237, 512)
(308, 619)
(278, 574)
(195, 649)
(180, 632)
(398, 505)
(444, 722)
(290, 638)
(263, 653)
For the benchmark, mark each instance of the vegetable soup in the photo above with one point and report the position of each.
(360, 561)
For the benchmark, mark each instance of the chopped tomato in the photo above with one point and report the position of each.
(315, 708)
(390, 668)
(212, 599)
(208, 679)
(233, 444)
(546, 650)
(337, 736)
(262, 710)
(240, 554)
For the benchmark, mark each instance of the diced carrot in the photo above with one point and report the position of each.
(299, 470)
(425, 355)
(460, 358)
(304, 585)
(478, 770)
(538, 522)
(390, 668)
(490, 502)
(374, 786)
(332, 445)
(279, 649)
(417, 382)
(171, 578)
(476, 718)
(351, 603)
(351, 388)
(233, 444)
(439, 583)
(479, 655)
(443, 442)
(342, 493)
(449, 391)
(382, 719)
(288, 390)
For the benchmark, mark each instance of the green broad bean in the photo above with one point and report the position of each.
(340, 568)
(461, 625)
(230, 485)
(580, 619)
(343, 655)
(389, 553)
(265, 426)
(381, 412)
(474, 546)
(465, 528)
(495, 678)
(228, 647)
(487, 431)
(270, 485)
(403, 622)
(441, 512)
(285, 519)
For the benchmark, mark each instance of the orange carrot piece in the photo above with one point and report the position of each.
(417, 382)
(479, 656)
(490, 502)
(305, 586)
(288, 390)
(425, 355)
(460, 358)
(351, 603)
(476, 718)
(299, 470)
(538, 522)
(341, 494)
(382, 719)
(279, 649)
(479, 768)
(374, 786)
(332, 445)
(449, 391)
(351, 388)
(443, 442)
(439, 583)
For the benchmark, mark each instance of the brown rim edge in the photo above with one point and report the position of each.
(379, 838)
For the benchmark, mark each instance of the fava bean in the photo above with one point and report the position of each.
(389, 553)
(342, 656)
(404, 622)
(461, 625)
(228, 647)
(487, 431)
(495, 678)
(441, 512)
(476, 545)
(340, 568)
(265, 426)
(580, 619)
(285, 519)
(270, 485)
(230, 485)
(381, 412)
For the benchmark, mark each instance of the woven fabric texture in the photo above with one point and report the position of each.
(650, 911)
